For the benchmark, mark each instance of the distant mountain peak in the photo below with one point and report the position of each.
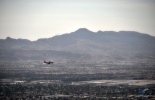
(82, 30)
(99, 31)
(9, 38)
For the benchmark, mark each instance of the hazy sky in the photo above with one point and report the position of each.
(33, 19)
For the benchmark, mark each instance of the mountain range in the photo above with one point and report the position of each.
(81, 45)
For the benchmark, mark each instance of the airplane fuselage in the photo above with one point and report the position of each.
(48, 62)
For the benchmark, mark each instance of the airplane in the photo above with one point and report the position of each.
(48, 62)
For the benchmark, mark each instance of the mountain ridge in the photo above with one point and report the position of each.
(84, 43)
(80, 30)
